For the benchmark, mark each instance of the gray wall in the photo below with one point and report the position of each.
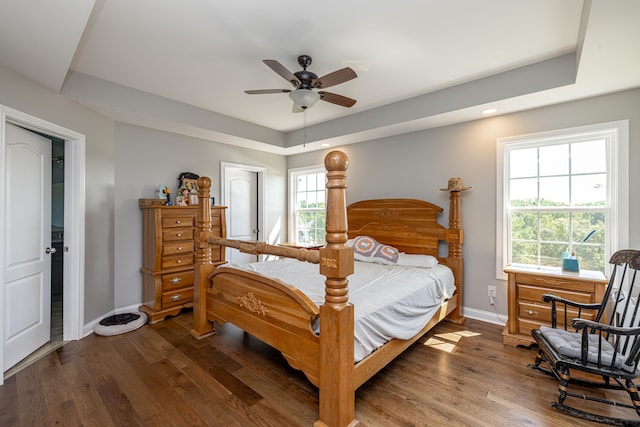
(146, 159)
(23, 95)
(416, 165)
(124, 163)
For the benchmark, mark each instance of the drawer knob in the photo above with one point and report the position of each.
(178, 221)
(179, 248)
(531, 312)
(179, 261)
(179, 234)
(176, 280)
(176, 297)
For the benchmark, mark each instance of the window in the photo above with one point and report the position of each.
(563, 192)
(308, 201)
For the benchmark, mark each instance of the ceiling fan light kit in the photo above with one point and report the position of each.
(305, 81)
(304, 98)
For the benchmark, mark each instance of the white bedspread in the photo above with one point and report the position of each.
(389, 301)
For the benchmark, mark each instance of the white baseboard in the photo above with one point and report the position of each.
(485, 316)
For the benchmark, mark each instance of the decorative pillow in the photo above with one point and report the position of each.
(417, 260)
(367, 249)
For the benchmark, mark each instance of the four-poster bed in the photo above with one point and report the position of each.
(283, 316)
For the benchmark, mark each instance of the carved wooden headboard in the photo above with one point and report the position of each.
(408, 224)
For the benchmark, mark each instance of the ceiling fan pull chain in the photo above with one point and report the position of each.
(304, 126)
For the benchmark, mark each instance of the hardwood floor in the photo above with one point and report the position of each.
(158, 375)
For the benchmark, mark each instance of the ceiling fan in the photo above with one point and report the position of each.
(303, 96)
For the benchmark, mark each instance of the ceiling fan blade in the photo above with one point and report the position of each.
(282, 71)
(337, 99)
(335, 78)
(262, 91)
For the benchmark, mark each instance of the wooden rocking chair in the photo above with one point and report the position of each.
(607, 346)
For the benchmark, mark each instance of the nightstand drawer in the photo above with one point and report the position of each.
(553, 282)
(542, 313)
(174, 281)
(531, 293)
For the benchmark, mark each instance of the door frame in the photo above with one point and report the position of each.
(261, 171)
(74, 219)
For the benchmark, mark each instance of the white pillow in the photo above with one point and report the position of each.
(417, 260)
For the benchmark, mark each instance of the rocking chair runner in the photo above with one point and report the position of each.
(607, 346)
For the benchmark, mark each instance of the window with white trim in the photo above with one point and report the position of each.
(307, 201)
(562, 193)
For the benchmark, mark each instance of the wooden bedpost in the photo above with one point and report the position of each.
(203, 264)
(337, 393)
(456, 238)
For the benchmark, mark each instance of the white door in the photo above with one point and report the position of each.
(27, 245)
(241, 189)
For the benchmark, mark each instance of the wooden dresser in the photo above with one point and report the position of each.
(525, 289)
(168, 257)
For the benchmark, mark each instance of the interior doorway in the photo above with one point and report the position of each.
(242, 192)
(72, 289)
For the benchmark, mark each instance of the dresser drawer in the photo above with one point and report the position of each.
(169, 235)
(177, 297)
(178, 221)
(174, 281)
(533, 293)
(177, 261)
(178, 247)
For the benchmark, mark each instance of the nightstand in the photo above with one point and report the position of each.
(526, 285)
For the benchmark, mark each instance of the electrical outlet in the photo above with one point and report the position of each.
(491, 291)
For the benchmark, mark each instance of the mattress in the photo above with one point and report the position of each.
(390, 301)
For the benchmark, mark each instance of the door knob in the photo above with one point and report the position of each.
(50, 250)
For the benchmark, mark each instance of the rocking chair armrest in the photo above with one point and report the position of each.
(580, 324)
(556, 298)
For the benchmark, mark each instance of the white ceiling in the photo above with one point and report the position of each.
(183, 66)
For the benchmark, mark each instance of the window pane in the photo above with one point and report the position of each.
(523, 162)
(302, 183)
(554, 227)
(523, 192)
(554, 160)
(554, 191)
(551, 254)
(583, 223)
(301, 200)
(311, 200)
(311, 182)
(525, 253)
(589, 190)
(589, 157)
(524, 226)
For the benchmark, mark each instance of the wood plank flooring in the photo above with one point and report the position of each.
(158, 375)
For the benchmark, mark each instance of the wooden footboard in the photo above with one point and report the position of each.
(272, 311)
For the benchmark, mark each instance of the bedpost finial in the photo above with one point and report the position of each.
(336, 161)
(204, 182)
